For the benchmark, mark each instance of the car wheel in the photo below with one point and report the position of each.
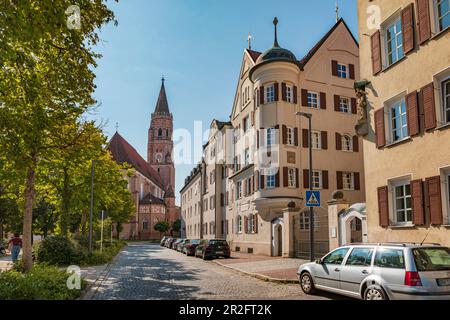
(307, 283)
(204, 257)
(374, 292)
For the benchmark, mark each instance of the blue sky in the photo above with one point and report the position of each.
(198, 46)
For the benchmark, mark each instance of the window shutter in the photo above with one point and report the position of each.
(323, 100)
(296, 137)
(351, 71)
(285, 176)
(244, 187)
(353, 104)
(334, 68)
(283, 92)
(325, 184)
(284, 134)
(417, 202)
(246, 224)
(423, 20)
(262, 133)
(255, 219)
(339, 181)
(304, 97)
(297, 181)
(257, 139)
(412, 112)
(379, 128)
(355, 144)
(434, 203)
(408, 28)
(305, 138)
(338, 141)
(306, 179)
(222, 200)
(261, 180)
(252, 118)
(295, 95)
(277, 179)
(277, 89)
(324, 138)
(375, 42)
(429, 109)
(256, 180)
(337, 103)
(383, 206)
(357, 181)
(261, 95)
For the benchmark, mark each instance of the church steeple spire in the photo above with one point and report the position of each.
(162, 106)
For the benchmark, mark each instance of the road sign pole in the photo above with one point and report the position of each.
(101, 234)
(311, 209)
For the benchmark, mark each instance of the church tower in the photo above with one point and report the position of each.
(160, 143)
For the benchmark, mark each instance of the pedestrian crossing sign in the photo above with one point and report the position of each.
(313, 198)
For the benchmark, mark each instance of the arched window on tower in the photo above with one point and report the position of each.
(160, 132)
(167, 132)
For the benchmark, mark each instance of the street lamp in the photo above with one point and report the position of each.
(311, 209)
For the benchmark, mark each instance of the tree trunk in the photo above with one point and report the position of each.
(28, 216)
(83, 222)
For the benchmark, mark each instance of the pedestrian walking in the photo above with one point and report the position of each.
(15, 245)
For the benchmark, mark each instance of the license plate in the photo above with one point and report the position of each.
(443, 282)
(219, 252)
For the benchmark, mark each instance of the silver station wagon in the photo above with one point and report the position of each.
(381, 272)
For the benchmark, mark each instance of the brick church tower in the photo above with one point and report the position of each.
(160, 143)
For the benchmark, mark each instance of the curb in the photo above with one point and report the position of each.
(258, 276)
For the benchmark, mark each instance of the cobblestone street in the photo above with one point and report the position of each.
(147, 271)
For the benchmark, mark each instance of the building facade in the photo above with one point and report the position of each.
(405, 103)
(191, 204)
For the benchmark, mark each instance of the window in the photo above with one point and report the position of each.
(270, 94)
(442, 14)
(145, 224)
(239, 190)
(270, 181)
(336, 257)
(398, 120)
(239, 224)
(360, 257)
(247, 156)
(402, 203)
(432, 259)
(316, 140)
(290, 136)
(313, 100)
(446, 99)
(289, 94)
(304, 221)
(206, 204)
(348, 181)
(317, 179)
(342, 71)
(347, 143)
(270, 137)
(394, 42)
(344, 105)
(212, 202)
(292, 181)
(248, 186)
(246, 123)
(389, 258)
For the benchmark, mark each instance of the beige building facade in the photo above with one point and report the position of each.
(405, 120)
(191, 204)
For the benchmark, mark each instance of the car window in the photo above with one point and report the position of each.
(360, 257)
(390, 258)
(336, 257)
(432, 259)
(195, 241)
(218, 242)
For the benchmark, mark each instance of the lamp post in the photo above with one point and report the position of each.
(311, 209)
(92, 205)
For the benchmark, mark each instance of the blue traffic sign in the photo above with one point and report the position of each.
(313, 198)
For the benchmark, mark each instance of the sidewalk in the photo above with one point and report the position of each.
(5, 262)
(274, 269)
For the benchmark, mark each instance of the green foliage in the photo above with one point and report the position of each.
(162, 226)
(107, 255)
(57, 250)
(176, 225)
(43, 282)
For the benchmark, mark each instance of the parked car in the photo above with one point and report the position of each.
(213, 248)
(181, 244)
(175, 243)
(189, 247)
(163, 241)
(169, 242)
(381, 272)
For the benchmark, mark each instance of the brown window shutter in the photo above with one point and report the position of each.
(423, 20)
(261, 180)
(351, 71)
(412, 112)
(297, 179)
(255, 218)
(295, 95)
(252, 118)
(334, 68)
(305, 138)
(261, 95)
(244, 187)
(284, 134)
(285, 176)
(338, 141)
(277, 89)
(277, 179)
(357, 181)
(408, 28)
(379, 128)
(434, 200)
(257, 139)
(283, 92)
(250, 181)
(246, 224)
(222, 200)
(256, 180)
(325, 184)
(375, 42)
(304, 97)
(417, 202)
(306, 179)
(429, 109)
(383, 206)
(355, 144)
(323, 100)
(339, 181)
(353, 104)
(296, 137)
(337, 103)
(324, 138)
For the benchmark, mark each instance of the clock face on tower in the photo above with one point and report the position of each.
(158, 157)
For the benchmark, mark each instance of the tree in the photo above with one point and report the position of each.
(162, 227)
(46, 84)
(176, 225)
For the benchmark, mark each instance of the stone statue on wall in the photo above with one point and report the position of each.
(362, 126)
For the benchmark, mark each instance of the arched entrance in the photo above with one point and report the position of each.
(356, 230)
(353, 225)
(277, 237)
